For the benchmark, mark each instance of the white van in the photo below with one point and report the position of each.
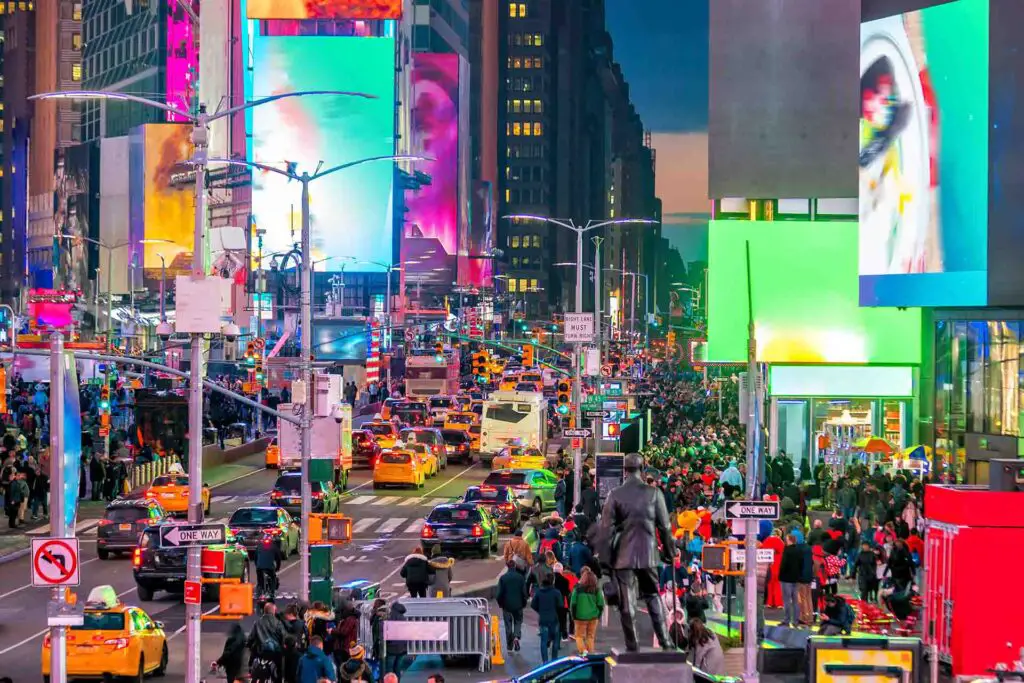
(513, 418)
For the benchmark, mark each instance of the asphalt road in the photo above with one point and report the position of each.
(386, 528)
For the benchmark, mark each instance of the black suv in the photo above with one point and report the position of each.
(163, 569)
(123, 521)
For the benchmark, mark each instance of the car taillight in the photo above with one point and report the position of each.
(118, 643)
(522, 487)
(273, 531)
(428, 532)
(507, 507)
(478, 530)
(318, 494)
(46, 640)
(105, 522)
(275, 494)
(137, 557)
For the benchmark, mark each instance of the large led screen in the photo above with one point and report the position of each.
(340, 341)
(162, 198)
(804, 276)
(431, 228)
(350, 210)
(924, 157)
(324, 9)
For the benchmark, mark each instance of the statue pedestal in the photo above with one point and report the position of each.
(644, 667)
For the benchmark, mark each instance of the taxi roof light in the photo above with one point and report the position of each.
(102, 597)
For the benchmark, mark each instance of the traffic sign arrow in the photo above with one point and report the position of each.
(577, 433)
(184, 535)
(752, 509)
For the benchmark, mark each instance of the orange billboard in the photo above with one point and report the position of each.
(324, 9)
(166, 188)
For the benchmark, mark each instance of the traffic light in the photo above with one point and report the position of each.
(105, 398)
(614, 430)
(671, 339)
(528, 356)
(481, 361)
(250, 353)
(439, 351)
(258, 368)
(564, 396)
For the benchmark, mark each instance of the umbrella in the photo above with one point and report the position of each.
(919, 452)
(874, 444)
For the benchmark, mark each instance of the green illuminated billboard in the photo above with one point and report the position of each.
(805, 296)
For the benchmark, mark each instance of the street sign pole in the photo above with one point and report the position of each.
(751, 621)
(58, 528)
(577, 393)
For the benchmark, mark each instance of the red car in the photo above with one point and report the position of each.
(365, 449)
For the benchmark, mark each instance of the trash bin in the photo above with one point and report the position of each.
(321, 590)
(320, 562)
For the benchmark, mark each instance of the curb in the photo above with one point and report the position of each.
(481, 589)
(14, 555)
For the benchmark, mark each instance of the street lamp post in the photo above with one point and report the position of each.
(647, 298)
(200, 138)
(580, 232)
(306, 342)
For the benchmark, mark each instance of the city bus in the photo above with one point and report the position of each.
(432, 375)
(513, 418)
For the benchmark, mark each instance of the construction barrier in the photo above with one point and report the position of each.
(446, 627)
(141, 474)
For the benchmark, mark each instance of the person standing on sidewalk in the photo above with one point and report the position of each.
(417, 572)
(546, 601)
(789, 576)
(512, 600)
(585, 607)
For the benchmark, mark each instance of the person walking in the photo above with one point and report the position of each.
(790, 568)
(546, 602)
(314, 666)
(266, 643)
(773, 587)
(443, 575)
(232, 657)
(417, 573)
(512, 599)
(396, 650)
(586, 605)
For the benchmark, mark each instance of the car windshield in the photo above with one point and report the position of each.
(508, 412)
(531, 378)
(505, 479)
(382, 429)
(488, 494)
(453, 515)
(525, 386)
(361, 438)
(396, 458)
(126, 514)
(417, 436)
(417, 447)
(455, 436)
(292, 484)
(254, 516)
(101, 621)
(460, 419)
(475, 429)
(170, 481)
(440, 403)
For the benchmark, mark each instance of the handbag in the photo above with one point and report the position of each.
(610, 589)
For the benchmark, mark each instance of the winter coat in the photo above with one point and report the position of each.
(578, 555)
(442, 567)
(397, 647)
(546, 602)
(314, 666)
(586, 605)
(536, 577)
(517, 545)
(512, 591)
(346, 631)
(709, 657)
(268, 558)
(417, 570)
(266, 629)
(791, 566)
(232, 657)
(318, 623)
(356, 670)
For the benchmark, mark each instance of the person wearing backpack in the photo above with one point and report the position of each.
(266, 643)
(586, 606)
(315, 666)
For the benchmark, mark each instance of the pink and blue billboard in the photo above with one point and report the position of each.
(182, 59)
(431, 231)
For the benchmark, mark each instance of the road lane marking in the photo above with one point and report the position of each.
(364, 523)
(44, 631)
(439, 501)
(224, 499)
(241, 476)
(385, 500)
(415, 527)
(185, 625)
(390, 525)
(448, 481)
(359, 500)
(29, 585)
(411, 501)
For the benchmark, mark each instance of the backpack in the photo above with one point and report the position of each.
(548, 544)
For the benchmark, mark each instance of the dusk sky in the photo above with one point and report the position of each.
(662, 46)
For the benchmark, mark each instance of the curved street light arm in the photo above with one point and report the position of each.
(350, 164)
(273, 98)
(252, 164)
(102, 95)
(616, 221)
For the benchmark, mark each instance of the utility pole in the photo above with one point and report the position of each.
(595, 423)
(58, 526)
(750, 623)
(306, 371)
(577, 393)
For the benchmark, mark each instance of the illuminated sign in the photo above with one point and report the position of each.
(324, 9)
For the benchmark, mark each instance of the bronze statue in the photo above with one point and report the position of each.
(633, 522)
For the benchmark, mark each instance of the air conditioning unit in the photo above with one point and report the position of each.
(328, 393)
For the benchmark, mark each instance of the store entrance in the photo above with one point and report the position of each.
(794, 432)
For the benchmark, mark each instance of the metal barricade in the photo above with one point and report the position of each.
(457, 627)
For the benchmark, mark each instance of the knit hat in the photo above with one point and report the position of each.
(356, 651)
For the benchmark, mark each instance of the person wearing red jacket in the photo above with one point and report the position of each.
(773, 589)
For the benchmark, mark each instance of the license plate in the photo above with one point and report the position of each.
(167, 495)
(124, 527)
(448, 533)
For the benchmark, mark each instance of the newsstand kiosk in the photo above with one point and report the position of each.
(974, 572)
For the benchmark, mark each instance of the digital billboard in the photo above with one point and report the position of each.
(324, 9)
(162, 197)
(340, 340)
(431, 229)
(804, 277)
(924, 141)
(182, 60)
(350, 210)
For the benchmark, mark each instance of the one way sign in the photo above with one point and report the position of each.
(752, 509)
(185, 535)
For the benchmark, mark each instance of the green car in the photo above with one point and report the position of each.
(163, 569)
(287, 494)
(252, 525)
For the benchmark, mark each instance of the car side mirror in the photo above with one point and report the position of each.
(156, 625)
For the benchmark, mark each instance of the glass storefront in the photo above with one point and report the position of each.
(979, 388)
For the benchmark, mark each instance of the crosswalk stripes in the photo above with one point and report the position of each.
(385, 500)
(439, 501)
(84, 527)
(364, 524)
(390, 525)
(415, 527)
(411, 501)
(359, 500)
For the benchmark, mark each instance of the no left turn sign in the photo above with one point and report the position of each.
(55, 562)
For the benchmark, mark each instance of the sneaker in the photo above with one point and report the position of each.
(515, 644)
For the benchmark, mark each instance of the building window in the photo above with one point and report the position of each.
(536, 241)
(76, 11)
(515, 261)
(507, 195)
(537, 63)
(537, 128)
(538, 40)
(512, 284)
(538, 107)
(514, 241)
(517, 63)
(517, 106)
(76, 41)
(76, 71)
(517, 10)
(533, 284)
(528, 106)
(517, 128)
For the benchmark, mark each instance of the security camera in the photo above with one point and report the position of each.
(337, 413)
(230, 332)
(164, 330)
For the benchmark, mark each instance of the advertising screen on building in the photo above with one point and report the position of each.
(350, 210)
(805, 299)
(162, 198)
(431, 229)
(340, 340)
(924, 157)
(324, 9)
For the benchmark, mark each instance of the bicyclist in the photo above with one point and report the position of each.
(268, 562)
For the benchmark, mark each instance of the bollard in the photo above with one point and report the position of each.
(497, 659)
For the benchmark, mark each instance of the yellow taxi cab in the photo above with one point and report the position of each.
(519, 458)
(427, 460)
(461, 421)
(508, 383)
(113, 640)
(398, 467)
(385, 433)
(474, 437)
(171, 491)
(534, 378)
(273, 456)
(461, 403)
(388, 406)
